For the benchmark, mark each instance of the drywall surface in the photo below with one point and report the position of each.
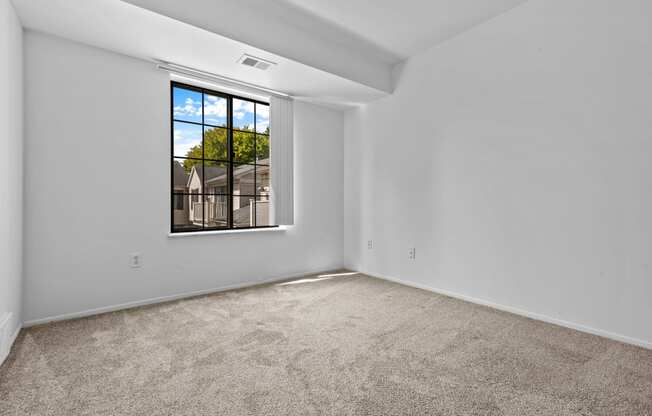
(516, 159)
(11, 172)
(297, 35)
(97, 181)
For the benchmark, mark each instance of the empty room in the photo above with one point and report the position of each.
(326, 207)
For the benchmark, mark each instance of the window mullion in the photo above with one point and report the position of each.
(229, 123)
(203, 164)
(255, 168)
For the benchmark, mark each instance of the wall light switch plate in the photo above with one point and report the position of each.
(370, 244)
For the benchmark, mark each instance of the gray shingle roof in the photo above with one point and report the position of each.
(211, 172)
(179, 173)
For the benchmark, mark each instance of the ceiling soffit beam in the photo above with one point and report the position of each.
(260, 24)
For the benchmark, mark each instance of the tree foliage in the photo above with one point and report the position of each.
(247, 147)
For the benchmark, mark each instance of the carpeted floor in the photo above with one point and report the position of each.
(349, 345)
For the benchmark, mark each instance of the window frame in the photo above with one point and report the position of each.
(231, 163)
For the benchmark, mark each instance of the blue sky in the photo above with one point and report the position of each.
(243, 114)
(187, 106)
(186, 136)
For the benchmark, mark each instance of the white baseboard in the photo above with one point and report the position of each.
(161, 299)
(7, 342)
(578, 327)
(516, 311)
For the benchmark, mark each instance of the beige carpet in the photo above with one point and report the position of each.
(352, 345)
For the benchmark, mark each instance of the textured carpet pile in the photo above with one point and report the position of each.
(347, 345)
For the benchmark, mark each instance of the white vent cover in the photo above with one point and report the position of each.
(254, 62)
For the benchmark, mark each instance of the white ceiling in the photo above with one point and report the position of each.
(335, 52)
(288, 31)
(405, 27)
(124, 28)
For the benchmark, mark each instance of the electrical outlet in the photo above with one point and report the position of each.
(412, 253)
(135, 260)
(370, 244)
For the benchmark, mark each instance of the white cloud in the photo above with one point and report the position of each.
(216, 108)
(243, 105)
(184, 140)
(262, 118)
(191, 108)
(241, 108)
(215, 111)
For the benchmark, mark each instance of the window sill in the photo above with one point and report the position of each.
(280, 228)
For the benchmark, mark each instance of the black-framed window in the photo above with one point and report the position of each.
(220, 160)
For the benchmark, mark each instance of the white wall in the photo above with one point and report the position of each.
(517, 159)
(11, 169)
(97, 188)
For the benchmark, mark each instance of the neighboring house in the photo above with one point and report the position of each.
(180, 204)
(212, 182)
(215, 178)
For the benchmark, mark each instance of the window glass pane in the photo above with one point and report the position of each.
(262, 118)
(243, 115)
(181, 171)
(243, 147)
(216, 177)
(262, 211)
(215, 110)
(190, 217)
(178, 202)
(216, 211)
(262, 180)
(262, 149)
(243, 179)
(243, 207)
(186, 175)
(186, 104)
(187, 140)
(216, 143)
(196, 209)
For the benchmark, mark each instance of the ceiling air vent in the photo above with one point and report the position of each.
(254, 62)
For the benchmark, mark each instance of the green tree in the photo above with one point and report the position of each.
(244, 150)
